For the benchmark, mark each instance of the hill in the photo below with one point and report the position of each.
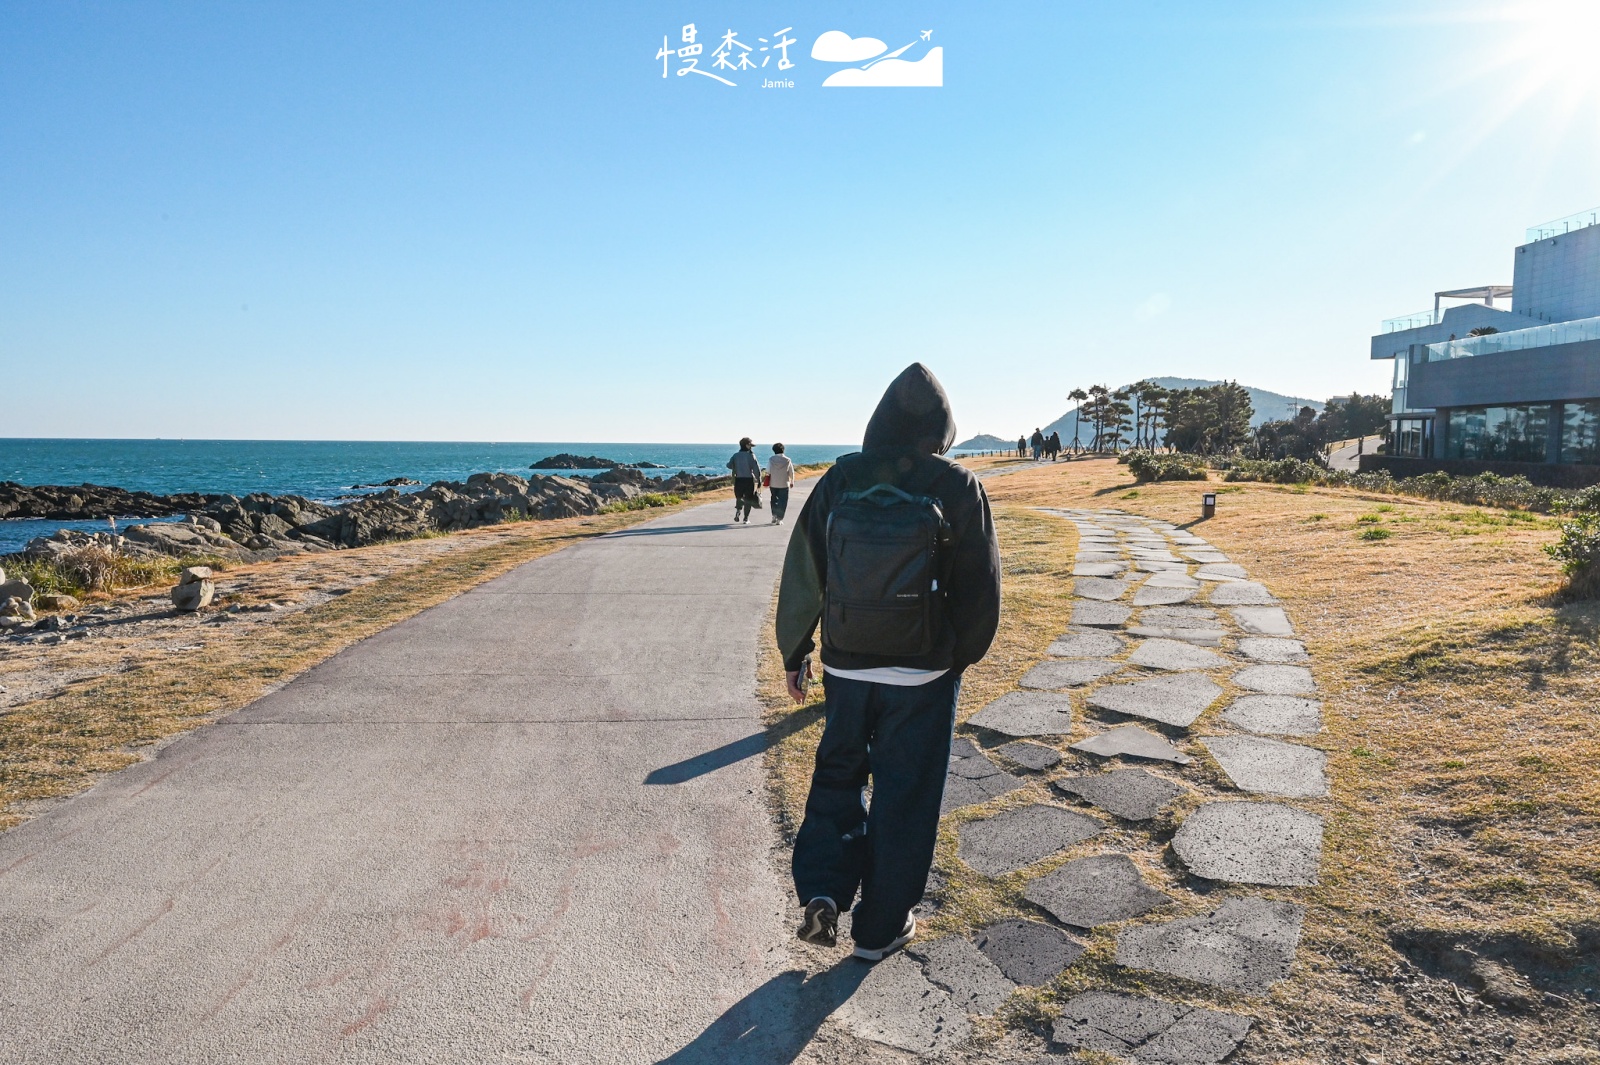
(1267, 406)
(985, 442)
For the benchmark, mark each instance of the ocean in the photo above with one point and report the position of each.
(322, 470)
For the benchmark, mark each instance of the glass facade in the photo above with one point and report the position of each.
(1409, 438)
(1580, 432)
(1501, 434)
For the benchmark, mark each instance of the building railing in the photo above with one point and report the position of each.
(1581, 220)
(1542, 336)
(1411, 321)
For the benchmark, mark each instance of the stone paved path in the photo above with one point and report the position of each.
(1173, 712)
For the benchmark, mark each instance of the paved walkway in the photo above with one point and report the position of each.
(1189, 699)
(1348, 458)
(527, 825)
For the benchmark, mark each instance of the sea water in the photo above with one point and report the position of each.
(323, 470)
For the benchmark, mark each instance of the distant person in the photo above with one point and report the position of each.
(1036, 441)
(913, 601)
(1022, 447)
(746, 476)
(780, 478)
(1053, 445)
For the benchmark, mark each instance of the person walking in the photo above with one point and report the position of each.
(1036, 441)
(746, 476)
(780, 478)
(1053, 445)
(1022, 447)
(895, 554)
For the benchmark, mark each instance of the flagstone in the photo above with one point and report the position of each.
(1029, 713)
(1030, 953)
(1086, 644)
(1174, 654)
(1148, 1029)
(1097, 890)
(975, 983)
(1276, 680)
(897, 1005)
(1021, 836)
(1282, 715)
(1175, 700)
(1273, 649)
(1242, 593)
(1201, 637)
(1131, 794)
(1263, 620)
(1109, 615)
(1055, 674)
(1151, 595)
(1033, 756)
(1131, 741)
(1099, 588)
(1246, 944)
(1271, 766)
(1251, 843)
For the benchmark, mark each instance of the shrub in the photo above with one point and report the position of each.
(1277, 471)
(1578, 551)
(644, 502)
(100, 568)
(1149, 466)
(1375, 533)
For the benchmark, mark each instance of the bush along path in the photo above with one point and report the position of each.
(1168, 728)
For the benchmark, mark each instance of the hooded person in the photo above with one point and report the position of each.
(897, 632)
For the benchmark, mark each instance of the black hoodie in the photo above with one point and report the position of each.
(904, 443)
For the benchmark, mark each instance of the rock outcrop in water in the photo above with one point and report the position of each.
(88, 502)
(262, 526)
(564, 461)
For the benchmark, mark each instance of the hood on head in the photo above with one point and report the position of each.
(914, 412)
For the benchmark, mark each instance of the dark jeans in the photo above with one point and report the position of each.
(900, 736)
(744, 489)
(780, 503)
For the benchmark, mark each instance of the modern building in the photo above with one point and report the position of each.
(1482, 386)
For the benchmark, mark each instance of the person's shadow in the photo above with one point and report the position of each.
(773, 1023)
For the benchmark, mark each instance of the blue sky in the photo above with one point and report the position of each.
(499, 222)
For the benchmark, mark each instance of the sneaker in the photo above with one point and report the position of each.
(821, 924)
(895, 944)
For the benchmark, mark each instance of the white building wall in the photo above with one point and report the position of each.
(1558, 280)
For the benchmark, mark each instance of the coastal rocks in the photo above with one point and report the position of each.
(195, 590)
(92, 501)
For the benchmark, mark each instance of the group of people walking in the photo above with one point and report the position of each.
(749, 479)
(1043, 446)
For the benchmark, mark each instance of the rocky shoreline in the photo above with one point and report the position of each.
(261, 526)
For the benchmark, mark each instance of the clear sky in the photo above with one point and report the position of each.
(492, 221)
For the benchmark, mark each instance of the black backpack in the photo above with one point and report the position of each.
(887, 553)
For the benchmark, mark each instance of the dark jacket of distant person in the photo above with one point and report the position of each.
(904, 445)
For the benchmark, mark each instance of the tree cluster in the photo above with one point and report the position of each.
(1306, 434)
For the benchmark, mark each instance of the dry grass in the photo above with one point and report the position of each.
(130, 692)
(1463, 735)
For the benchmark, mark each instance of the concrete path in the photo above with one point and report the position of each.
(1348, 458)
(527, 825)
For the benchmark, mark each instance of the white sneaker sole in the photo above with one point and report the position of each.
(883, 952)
